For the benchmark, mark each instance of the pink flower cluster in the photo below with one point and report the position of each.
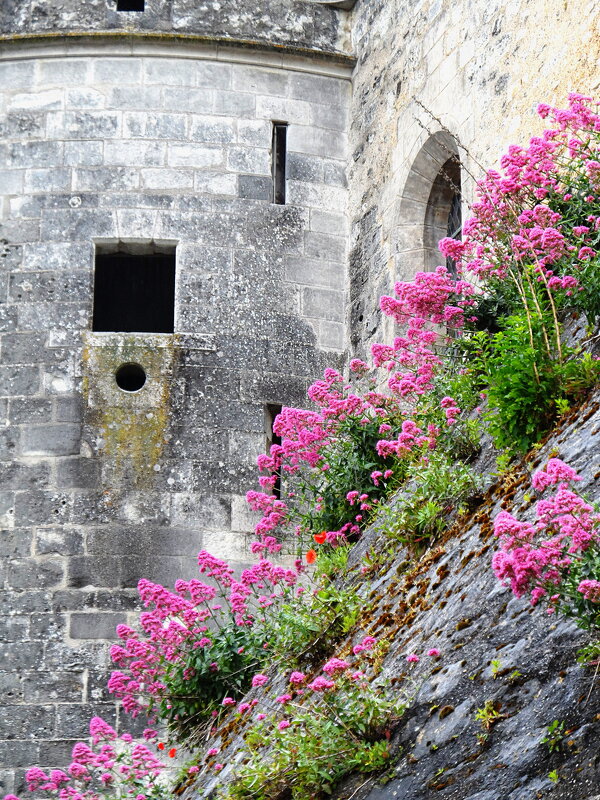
(539, 558)
(132, 770)
(178, 623)
(512, 223)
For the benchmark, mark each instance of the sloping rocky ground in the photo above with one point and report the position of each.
(451, 600)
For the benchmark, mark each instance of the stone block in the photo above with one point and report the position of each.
(304, 168)
(336, 118)
(217, 130)
(325, 91)
(9, 442)
(59, 255)
(14, 628)
(48, 180)
(215, 183)
(323, 304)
(142, 539)
(234, 104)
(8, 319)
(11, 181)
(17, 74)
(95, 625)
(101, 178)
(83, 154)
(170, 72)
(119, 71)
(22, 125)
(316, 141)
(164, 179)
(77, 225)
(23, 348)
(331, 335)
(19, 656)
(209, 512)
(214, 76)
(68, 409)
(296, 112)
(47, 100)
(11, 690)
(86, 571)
(73, 719)
(51, 440)
(19, 380)
(325, 247)
(254, 132)
(61, 541)
(15, 543)
(255, 187)
(327, 222)
(140, 97)
(23, 475)
(195, 155)
(63, 72)
(85, 98)
(29, 574)
(67, 687)
(42, 507)
(20, 230)
(83, 125)
(334, 173)
(260, 81)
(190, 101)
(126, 153)
(78, 473)
(29, 410)
(155, 126)
(23, 722)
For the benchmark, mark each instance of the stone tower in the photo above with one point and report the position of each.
(173, 239)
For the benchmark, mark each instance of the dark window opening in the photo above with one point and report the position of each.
(130, 377)
(279, 161)
(130, 5)
(443, 216)
(134, 292)
(271, 412)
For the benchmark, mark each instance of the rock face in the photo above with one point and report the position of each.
(494, 649)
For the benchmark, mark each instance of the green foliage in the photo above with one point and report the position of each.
(346, 731)
(555, 733)
(489, 714)
(440, 486)
(527, 388)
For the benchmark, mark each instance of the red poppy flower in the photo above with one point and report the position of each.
(311, 556)
(320, 537)
(161, 745)
(172, 752)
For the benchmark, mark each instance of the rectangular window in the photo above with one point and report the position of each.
(130, 5)
(278, 163)
(134, 292)
(271, 412)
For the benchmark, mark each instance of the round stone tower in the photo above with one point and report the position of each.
(173, 251)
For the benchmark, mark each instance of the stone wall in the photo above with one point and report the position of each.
(298, 24)
(477, 69)
(139, 148)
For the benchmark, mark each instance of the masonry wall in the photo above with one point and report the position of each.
(105, 146)
(478, 69)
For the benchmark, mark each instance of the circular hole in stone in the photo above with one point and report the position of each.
(130, 377)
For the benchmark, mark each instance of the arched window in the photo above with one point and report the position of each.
(430, 206)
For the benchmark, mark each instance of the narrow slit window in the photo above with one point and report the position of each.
(134, 292)
(271, 412)
(279, 159)
(130, 5)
